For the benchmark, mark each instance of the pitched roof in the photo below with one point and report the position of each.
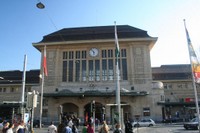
(15, 77)
(93, 33)
(177, 68)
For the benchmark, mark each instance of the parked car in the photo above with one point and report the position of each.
(144, 123)
(193, 124)
(172, 120)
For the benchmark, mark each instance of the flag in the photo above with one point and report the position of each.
(45, 62)
(116, 42)
(193, 58)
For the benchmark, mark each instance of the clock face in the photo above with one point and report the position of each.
(93, 52)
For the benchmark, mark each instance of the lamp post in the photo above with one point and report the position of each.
(93, 111)
(31, 104)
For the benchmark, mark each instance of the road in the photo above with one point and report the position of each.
(159, 128)
(164, 128)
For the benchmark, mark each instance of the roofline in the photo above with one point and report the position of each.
(153, 39)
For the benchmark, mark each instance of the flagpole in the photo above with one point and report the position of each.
(118, 101)
(193, 80)
(44, 71)
(41, 99)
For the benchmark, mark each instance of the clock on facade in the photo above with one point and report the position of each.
(93, 52)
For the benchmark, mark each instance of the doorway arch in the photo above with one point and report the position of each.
(99, 110)
(70, 109)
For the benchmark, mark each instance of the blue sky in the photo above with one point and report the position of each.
(22, 24)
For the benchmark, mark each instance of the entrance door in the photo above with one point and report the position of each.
(99, 112)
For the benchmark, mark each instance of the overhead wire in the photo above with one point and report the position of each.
(52, 22)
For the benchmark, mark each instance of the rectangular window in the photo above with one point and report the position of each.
(110, 70)
(123, 52)
(70, 71)
(103, 54)
(76, 66)
(146, 111)
(64, 73)
(97, 70)
(78, 55)
(1, 89)
(91, 70)
(124, 69)
(84, 75)
(104, 69)
(77, 78)
(4, 89)
(71, 54)
(84, 55)
(65, 55)
(12, 89)
(110, 53)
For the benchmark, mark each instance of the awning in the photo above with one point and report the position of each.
(95, 93)
(176, 103)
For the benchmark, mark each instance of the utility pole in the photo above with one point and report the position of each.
(23, 87)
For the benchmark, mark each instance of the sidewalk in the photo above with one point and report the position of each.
(44, 130)
(40, 130)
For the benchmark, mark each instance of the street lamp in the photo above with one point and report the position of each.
(40, 5)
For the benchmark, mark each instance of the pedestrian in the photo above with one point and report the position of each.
(67, 129)
(84, 130)
(60, 128)
(74, 129)
(104, 128)
(117, 129)
(5, 127)
(70, 123)
(21, 127)
(52, 128)
(90, 128)
(28, 127)
(128, 127)
(10, 128)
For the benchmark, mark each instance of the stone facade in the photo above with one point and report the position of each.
(179, 100)
(74, 85)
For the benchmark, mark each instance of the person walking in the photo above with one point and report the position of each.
(74, 129)
(84, 130)
(90, 128)
(118, 129)
(104, 128)
(5, 127)
(52, 128)
(128, 127)
(21, 127)
(10, 128)
(67, 129)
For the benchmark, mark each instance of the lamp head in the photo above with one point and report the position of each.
(40, 5)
